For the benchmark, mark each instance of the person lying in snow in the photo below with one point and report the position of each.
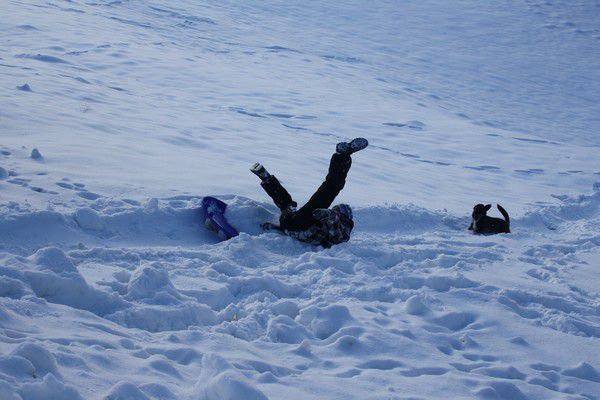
(314, 222)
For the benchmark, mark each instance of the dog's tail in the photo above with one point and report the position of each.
(505, 215)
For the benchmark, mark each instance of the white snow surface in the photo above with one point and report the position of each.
(117, 117)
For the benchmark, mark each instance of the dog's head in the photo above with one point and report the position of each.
(480, 211)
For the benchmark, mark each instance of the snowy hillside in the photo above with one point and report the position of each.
(117, 117)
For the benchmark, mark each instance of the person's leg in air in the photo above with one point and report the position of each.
(326, 193)
(276, 192)
(293, 220)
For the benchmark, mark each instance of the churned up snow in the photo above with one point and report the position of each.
(117, 117)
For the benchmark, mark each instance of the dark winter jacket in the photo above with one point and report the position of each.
(329, 227)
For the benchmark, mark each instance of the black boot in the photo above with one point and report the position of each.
(260, 171)
(351, 147)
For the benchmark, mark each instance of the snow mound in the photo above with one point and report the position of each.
(325, 321)
(162, 318)
(220, 381)
(174, 221)
(55, 260)
(583, 371)
(151, 285)
(31, 372)
(36, 155)
(125, 391)
(41, 359)
(60, 282)
(88, 219)
(49, 388)
(283, 329)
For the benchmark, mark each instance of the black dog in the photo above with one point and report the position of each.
(488, 225)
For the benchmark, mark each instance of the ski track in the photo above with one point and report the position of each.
(111, 288)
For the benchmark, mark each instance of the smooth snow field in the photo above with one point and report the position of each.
(117, 117)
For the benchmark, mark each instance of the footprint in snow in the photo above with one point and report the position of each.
(533, 141)
(531, 171)
(80, 190)
(64, 185)
(43, 58)
(242, 111)
(24, 88)
(491, 168)
(544, 367)
(479, 357)
(414, 125)
(416, 372)
(41, 190)
(381, 364)
(280, 115)
(349, 374)
(280, 49)
(20, 181)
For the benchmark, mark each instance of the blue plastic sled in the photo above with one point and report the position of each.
(214, 218)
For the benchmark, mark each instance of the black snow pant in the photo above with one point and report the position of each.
(323, 197)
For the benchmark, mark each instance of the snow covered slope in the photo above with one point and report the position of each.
(111, 288)
(462, 102)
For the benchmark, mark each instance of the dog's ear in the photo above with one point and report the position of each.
(487, 207)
